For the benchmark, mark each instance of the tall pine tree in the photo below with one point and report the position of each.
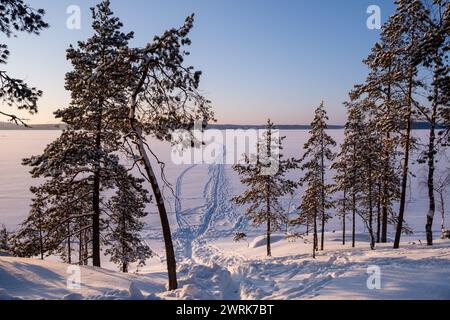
(164, 97)
(82, 165)
(315, 161)
(265, 176)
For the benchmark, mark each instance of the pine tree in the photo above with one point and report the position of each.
(341, 188)
(405, 29)
(371, 168)
(17, 16)
(127, 208)
(390, 89)
(265, 176)
(5, 245)
(164, 98)
(309, 209)
(318, 153)
(383, 101)
(82, 165)
(349, 166)
(98, 86)
(435, 47)
(28, 241)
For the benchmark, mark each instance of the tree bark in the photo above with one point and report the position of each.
(372, 238)
(268, 209)
(407, 140)
(322, 196)
(80, 245)
(353, 218)
(315, 238)
(69, 248)
(96, 201)
(41, 241)
(344, 209)
(165, 226)
(170, 253)
(441, 195)
(431, 157)
(269, 250)
(387, 155)
(379, 214)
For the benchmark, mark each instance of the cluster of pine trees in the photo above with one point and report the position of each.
(89, 203)
(408, 82)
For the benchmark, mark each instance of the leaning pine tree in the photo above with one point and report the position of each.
(315, 161)
(264, 174)
(164, 97)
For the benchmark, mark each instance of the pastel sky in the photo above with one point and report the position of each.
(260, 58)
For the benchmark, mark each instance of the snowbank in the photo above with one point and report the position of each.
(37, 279)
(262, 240)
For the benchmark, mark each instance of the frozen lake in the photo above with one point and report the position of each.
(15, 180)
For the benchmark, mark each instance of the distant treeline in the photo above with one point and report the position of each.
(12, 126)
(415, 126)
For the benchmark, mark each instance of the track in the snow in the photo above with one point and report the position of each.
(217, 207)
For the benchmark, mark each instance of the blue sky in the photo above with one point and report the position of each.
(260, 58)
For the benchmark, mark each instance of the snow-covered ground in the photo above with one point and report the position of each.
(211, 265)
(223, 270)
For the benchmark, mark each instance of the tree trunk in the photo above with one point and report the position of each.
(69, 247)
(384, 218)
(354, 201)
(41, 240)
(86, 248)
(315, 238)
(269, 250)
(379, 214)
(170, 253)
(322, 196)
(407, 140)
(353, 218)
(387, 155)
(80, 245)
(344, 209)
(139, 142)
(268, 195)
(96, 202)
(372, 239)
(441, 195)
(431, 153)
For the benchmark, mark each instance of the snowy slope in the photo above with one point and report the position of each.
(235, 271)
(36, 279)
